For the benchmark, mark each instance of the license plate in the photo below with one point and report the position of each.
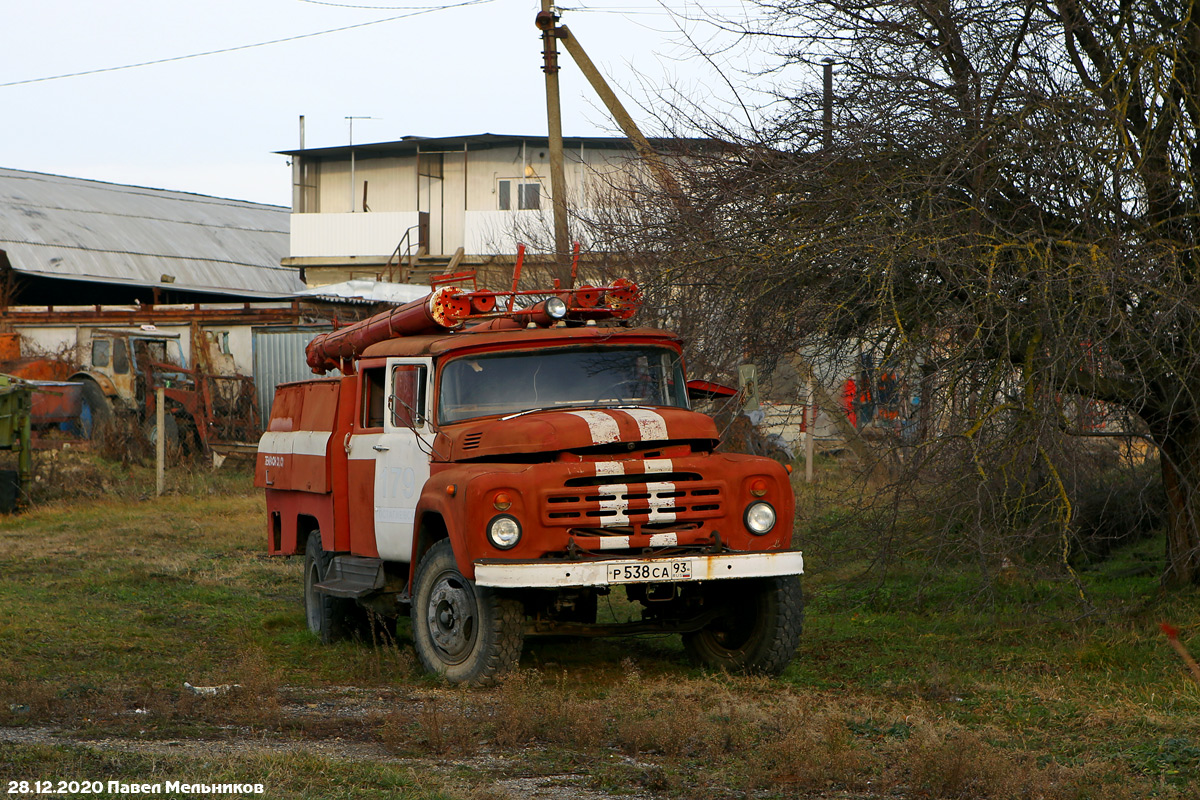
(647, 572)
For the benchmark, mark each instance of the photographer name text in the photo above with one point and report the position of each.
(122, 788)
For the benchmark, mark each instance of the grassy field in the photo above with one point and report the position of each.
(112, 600)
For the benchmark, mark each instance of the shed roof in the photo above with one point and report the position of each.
(58, 227)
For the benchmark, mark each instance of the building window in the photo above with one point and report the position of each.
(218, 340)
(529, 195)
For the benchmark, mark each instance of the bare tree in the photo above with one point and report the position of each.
(1006, 207)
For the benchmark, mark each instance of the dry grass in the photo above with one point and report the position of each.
(709, 736)
(726, 736)
(898, 691)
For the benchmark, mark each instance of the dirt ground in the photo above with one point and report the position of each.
(501, 773)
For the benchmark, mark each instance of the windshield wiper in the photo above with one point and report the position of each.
(587, 404)
(523, 413)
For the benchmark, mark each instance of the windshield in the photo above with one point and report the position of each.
(159, 351)
(477, 386)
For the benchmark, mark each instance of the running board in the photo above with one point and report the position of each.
(352, 576)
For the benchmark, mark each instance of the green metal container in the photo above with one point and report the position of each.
(16, 403)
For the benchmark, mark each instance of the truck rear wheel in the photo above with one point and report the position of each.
(330, 618)
(466, 633)
(758, 630)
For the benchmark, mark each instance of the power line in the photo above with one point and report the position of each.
(243, 46)
(661, 11)
(371, 8)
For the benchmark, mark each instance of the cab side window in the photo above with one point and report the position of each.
(373, 397)
(408, 396)
(101, 352)
(120, 359)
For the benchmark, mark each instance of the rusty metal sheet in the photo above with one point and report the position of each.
(55, 402)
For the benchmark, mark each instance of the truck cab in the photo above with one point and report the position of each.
(496, 481)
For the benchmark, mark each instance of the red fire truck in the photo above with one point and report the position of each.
(496, 472)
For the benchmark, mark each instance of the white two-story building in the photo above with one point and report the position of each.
(367, 211)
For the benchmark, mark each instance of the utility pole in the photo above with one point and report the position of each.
(827, 104)
(353, 192)
(545, 22)
(298, 176)
(558, 181)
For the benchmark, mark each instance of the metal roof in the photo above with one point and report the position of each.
(59, 227)
(483, 141)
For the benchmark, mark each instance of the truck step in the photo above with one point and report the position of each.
(352, 576)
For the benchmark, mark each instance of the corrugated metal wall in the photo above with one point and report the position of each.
(279, 358)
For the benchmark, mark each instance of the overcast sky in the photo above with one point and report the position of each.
(211, 125)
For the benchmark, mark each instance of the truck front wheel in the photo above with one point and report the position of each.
(330, 618)
(758, 629)
(466, 633)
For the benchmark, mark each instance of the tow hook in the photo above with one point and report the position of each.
(660, 592)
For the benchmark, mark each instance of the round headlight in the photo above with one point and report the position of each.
(504, 531)
(556, 308)
(760, 518)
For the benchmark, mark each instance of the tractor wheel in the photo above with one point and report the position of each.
(758, 630)
(466, 633)
(95, 410)
(170, 426)
(330, 618)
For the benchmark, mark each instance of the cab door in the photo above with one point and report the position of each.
(402, 463)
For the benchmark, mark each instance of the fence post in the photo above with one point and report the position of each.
(160, 438)
(810, 420)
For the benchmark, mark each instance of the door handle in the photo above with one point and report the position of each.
(380, 447)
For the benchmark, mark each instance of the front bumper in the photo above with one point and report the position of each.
(543, 574)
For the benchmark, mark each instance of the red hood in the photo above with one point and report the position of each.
(554, 431)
